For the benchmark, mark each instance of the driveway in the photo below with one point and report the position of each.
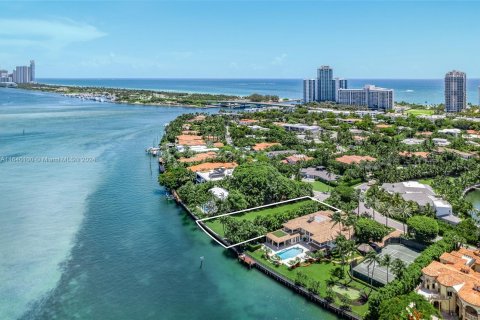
(380, 218)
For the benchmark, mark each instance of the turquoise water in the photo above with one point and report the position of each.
(423, 91)
(95, 238)
(290, 253)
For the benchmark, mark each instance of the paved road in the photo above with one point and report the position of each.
(381, 218)
(322, 196)
(227, 137)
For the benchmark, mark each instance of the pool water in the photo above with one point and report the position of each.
(290, 253)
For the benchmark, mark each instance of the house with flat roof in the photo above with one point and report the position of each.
(412, 141)
(298, 127)
(318, 173)
(440, 142)
(316, 229)
(213, 171)
(452, 284)
(454, 132)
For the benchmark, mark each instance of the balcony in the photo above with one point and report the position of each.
(470, 316)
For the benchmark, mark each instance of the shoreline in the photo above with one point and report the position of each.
(145, 97)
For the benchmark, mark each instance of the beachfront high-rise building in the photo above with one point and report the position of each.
(24, 74)
(310, 88)
(326, 88)
(32, 70)
(370, 96)
(339, 84)
(455, 91)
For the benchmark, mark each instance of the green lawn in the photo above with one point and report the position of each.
(319, 272)
(217, 227)
(346, 291)
(321, 187)
(418, 112)
(427, 181)
(279, 233)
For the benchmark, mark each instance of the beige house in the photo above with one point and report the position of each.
(453, 284)
(317, 229)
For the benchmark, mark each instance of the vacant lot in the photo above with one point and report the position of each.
(217, 226)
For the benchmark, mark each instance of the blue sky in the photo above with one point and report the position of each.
(241, 39)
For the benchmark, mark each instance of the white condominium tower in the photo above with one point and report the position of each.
(24, 74)
(339, 84)
(374, 98)
(455, 91)
(310, 90)
(326, 89)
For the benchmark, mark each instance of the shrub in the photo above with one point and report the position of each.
(396, 307)
(424, 228)
(367, 230)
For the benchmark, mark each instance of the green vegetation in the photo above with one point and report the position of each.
(217, 225)
(351, 293)
(367, 230)
(427, 181)
(398, 308)
(425, 229)
(279, 233)
(419, 112)
(321, 186)
(134, 96)
(324, 272)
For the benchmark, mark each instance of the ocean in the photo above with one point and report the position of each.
(86, 232)
(421, 91)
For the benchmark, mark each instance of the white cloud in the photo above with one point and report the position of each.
(278, 60)
(45, 33)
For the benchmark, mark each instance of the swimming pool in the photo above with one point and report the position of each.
(290, 253)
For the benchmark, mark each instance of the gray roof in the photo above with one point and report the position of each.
(319, 173)
(451, 219)
(280, 152)
(412, 191)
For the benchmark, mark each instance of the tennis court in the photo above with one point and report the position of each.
(379, 276)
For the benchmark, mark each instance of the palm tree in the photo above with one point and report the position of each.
(223, 220)
(337, 218)
(398, 268)
(371, 258)
(387, 262)
(405, 210)
(350, 221)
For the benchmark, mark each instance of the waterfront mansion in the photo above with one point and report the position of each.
(317, 229)
(453, 284)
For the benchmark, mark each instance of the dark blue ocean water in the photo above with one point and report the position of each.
(98, 239)
(424, 91)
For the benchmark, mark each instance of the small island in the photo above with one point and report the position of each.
(147, 97)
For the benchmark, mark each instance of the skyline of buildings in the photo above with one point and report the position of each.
(21, 74)
(327, 88)
(455, 91)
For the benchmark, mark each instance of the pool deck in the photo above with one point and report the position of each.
(302, 255)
